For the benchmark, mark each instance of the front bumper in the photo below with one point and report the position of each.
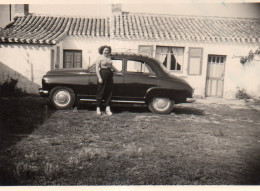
(190, 100)
(43, 92)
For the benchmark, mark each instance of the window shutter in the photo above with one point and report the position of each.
(52, 60)
(57, 64)
(195, 61)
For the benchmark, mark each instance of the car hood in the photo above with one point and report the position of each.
(175, 78)
(67, 71)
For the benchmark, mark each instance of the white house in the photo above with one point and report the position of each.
(205, 51)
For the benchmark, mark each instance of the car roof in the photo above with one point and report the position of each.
(130, 54)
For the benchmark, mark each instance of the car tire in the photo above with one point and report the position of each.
(62, 97)
(161, 105)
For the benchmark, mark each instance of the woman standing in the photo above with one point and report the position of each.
(105, 79)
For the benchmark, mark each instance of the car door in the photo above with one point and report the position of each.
(79, 81)
(139, 77)
(117, 79)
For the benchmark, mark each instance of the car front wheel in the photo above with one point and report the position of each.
(62, 97)
(162, 105)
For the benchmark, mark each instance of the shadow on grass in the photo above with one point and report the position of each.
(18, 118)
(120, 108)
(178, 110)
(251, 174)
(116, 108)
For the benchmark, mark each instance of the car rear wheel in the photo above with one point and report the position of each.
(162, 105)
(62, 97)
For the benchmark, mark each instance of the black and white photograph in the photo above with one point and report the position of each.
(130, 93)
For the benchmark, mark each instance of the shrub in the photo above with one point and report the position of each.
(242, 94)
(9, 88)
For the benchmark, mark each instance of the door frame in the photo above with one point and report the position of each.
(207, 74)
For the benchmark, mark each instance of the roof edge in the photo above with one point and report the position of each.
(189, 16)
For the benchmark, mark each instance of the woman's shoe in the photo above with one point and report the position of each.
(98, 111)
(108, 111)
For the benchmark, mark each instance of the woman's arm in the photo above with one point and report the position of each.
(98, 72)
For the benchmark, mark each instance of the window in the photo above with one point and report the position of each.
(72, 59)
(170, 57)
(138, 67)
(118, 65)
(195, 61)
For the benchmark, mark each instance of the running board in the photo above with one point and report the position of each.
(115, 101)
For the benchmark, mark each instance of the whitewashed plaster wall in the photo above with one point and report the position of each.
(249, 77)
(27, 63)
(89, 47)
(233, 68)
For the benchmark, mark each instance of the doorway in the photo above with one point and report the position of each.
(215, 76)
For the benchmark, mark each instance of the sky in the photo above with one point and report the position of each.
(102, 8)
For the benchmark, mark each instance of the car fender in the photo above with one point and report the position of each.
(179, 96)
(158, 92)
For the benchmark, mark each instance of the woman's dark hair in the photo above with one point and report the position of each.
(101, 49)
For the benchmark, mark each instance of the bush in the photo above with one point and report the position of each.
(242, 94)
(9, 88)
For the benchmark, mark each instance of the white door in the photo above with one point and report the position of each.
(215, 76)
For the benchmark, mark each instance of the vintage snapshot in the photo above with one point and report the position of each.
(129, 93)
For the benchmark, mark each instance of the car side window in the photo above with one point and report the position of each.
(138, 67)
(118, 65)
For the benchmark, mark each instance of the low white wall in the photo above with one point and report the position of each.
(27, 63)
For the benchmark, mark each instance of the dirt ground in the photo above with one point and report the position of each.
(209, 142)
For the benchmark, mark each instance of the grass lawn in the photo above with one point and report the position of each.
(205, 144)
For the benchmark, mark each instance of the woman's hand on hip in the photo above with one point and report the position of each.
(100, 80)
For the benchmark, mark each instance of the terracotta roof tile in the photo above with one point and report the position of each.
(50, 30)
(33, 29)
(185, 28)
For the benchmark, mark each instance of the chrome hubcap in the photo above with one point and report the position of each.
(62, 97)
(161, 103)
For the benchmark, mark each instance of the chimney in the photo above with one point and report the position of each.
(5, 15)
(116, 8)
(19, 10)
(9, 11)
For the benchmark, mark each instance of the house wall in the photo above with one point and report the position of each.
(233, 68)
(88, 46)
(249, 77)
(27, 63)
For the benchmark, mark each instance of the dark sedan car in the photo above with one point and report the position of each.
(138, 79)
